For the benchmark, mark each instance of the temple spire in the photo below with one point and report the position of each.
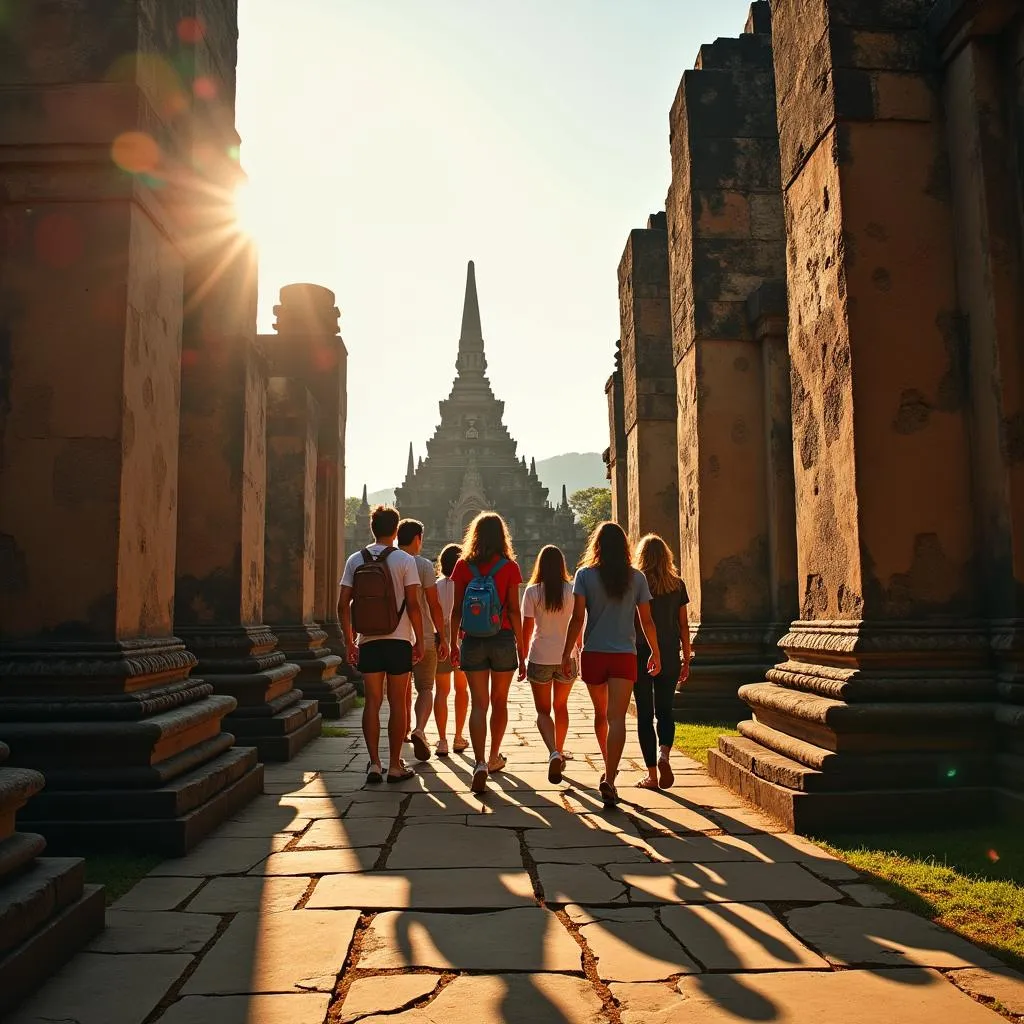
(410, 469)
(565, 499)
(471, 340)
(366, 500)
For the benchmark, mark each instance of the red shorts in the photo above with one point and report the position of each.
(597, 668)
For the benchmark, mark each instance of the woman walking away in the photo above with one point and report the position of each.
(486, 609)
(609, 593)
(445, 669)
(654, 693)
(547, 609)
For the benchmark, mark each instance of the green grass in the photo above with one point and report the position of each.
(694, 738)
(970, 880)
(118, 872)
(333, 730)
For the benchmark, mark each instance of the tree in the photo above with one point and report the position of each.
(592, 505)
(351, 510)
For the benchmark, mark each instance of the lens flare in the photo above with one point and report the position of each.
(191, 30)
(992, 856)
(136, 152)
(205, 88)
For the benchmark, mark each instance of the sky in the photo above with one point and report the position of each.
(389, 143)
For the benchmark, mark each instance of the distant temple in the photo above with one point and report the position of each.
(472, 466)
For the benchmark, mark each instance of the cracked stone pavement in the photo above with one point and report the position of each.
(329, 901)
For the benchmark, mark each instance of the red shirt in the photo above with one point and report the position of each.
(505, 579)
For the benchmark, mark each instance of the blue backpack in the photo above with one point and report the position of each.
(481, 606)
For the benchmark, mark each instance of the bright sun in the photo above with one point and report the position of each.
(246, 211)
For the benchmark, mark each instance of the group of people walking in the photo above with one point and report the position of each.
(620, 624)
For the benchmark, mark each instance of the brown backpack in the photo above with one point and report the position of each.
(374, 609)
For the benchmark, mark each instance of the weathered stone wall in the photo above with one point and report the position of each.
(616, 454)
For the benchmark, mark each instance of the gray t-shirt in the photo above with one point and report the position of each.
(428, 578)
(610, 628)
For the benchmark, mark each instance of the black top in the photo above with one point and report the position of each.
(665, 612)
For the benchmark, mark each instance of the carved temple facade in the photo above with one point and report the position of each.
(842, 256)
(471, 466)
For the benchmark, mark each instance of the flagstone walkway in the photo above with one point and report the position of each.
(327, 901)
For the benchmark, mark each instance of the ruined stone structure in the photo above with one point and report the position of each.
(845, 223)
(471, 465)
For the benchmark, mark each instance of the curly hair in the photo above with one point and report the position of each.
(487, 538)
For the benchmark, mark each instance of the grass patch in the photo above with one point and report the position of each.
(360, 702)
(969, 880)
(694, 738)
(333, 730)
(118, 872)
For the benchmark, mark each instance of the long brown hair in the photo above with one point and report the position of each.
(549, 570)
(608, 552)
(655, 560)
(487, 538)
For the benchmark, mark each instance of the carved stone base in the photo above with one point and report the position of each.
(865, 724)
(133, 749)
(47, 913)
(336, 644)
(726, 657)
(244, 663)
(318, 678)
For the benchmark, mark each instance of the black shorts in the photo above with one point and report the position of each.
(489, 653)
(391, 656)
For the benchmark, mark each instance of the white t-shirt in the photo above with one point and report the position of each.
(446, 595)
(404, 573)
(428, 579)
(549, 628)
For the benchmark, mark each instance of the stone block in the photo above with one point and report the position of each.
(296, 1008)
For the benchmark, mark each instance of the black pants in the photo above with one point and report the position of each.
(653, 698)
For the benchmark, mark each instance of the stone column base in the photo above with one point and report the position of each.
(866, 725)
(726, 657)
(336, 644)
(306, 646)
(47, 910)
(134, 751)
(243, 662)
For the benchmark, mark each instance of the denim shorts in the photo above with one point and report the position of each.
(489, 653)
(550, 673)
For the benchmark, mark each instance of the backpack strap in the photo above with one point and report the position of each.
(383, 556)
(367, 557)
(499, 564)
(473, 569)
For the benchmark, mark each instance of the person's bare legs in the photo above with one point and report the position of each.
(442, 687)
(619, 692)
(561, 695)
(500, 683)
(398, 691)
(546, 727)
(461, 704)
(424, 706)
(373, 684)
(408, 706)
(480, 699)
(599, 698)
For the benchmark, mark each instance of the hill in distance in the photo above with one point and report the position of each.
(574, 469)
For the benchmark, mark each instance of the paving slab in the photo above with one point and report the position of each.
(636, 950)
(318, 862)
(738, 937)
(741, 821)
(738, 882)
(300, 1008)
(579, 883)
(998, 983)
(616, 853)
(385, 994)
(324, 807)
(530, 939)
(334, 834)
(302, 950)
(268, 895)
(862, 936)
(867, 895)
(154, 931)
(588, 915)
(95, 988)
(512, 999)
(523, 817)
(802, 997)
(673, 820)
(703, 849)
(432, 889)
(453, 846)
(216, 856)
(157, 894)
(584, 830)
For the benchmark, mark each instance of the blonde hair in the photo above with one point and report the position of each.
(654, 559)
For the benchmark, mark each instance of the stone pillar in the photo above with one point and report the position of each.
(616, 460)
(47, 912)
(649, 386)
(94, 687)
(727, 260)
(293, 428)
(983, 122)
(882, 713)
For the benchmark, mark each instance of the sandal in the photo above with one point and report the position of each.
(567, 755)
(556, 765)
(499, 765)
(460, 745)
(665, 774)
(407, 773)
(420, 747)
(442, 749)
(479, 783)
(609, 794)
(374, 774)
(647, 783)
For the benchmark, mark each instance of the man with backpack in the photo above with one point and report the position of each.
(380, 601)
